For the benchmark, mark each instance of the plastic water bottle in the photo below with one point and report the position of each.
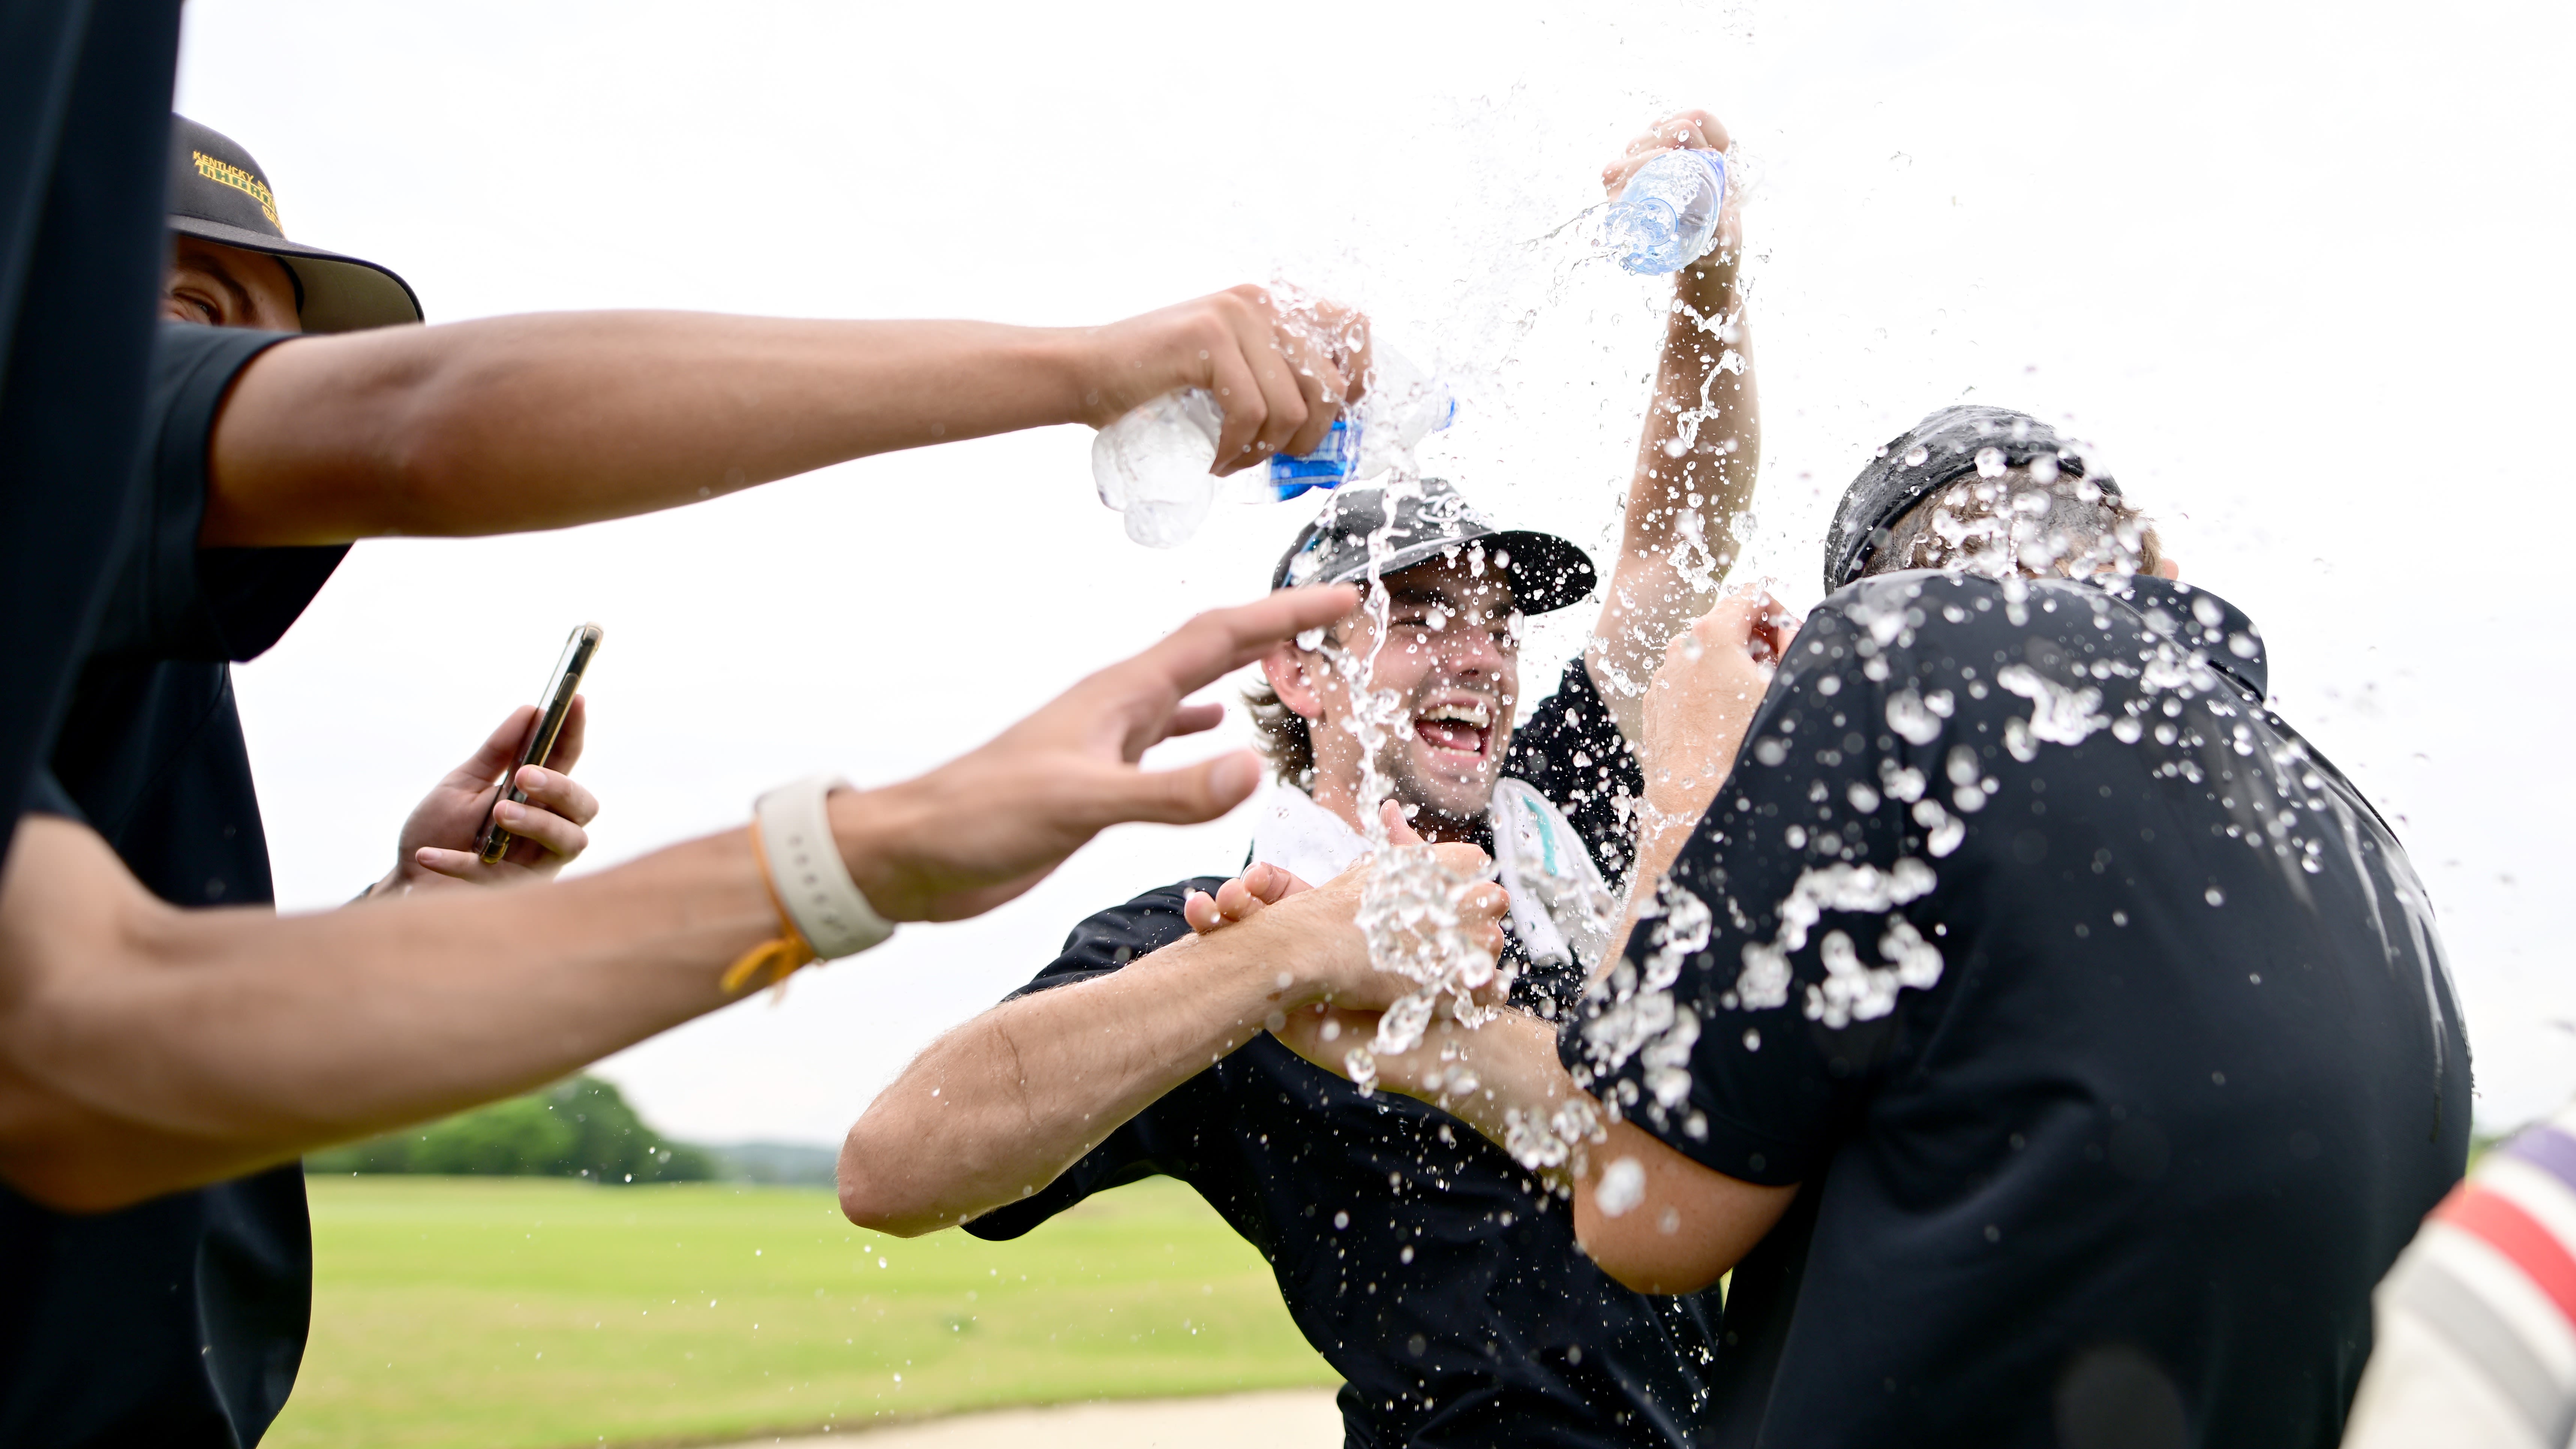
(1152, 464)
(1667, 218)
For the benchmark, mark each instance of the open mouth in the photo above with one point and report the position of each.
(1460, 727)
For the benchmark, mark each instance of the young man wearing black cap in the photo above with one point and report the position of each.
(183, 1319)
(2072, 1039)
(1433, 1272)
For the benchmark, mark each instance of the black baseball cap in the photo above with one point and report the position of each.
(1547, 572)
(219, 194)
(1941, 449)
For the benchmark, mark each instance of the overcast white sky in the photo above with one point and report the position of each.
(2295, 270)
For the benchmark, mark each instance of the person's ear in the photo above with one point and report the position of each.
(1291, 672)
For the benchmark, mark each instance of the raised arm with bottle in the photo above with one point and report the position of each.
(1698, 453)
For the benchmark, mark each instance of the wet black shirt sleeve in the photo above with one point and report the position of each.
(169, 598)
(151, 745)
(1157, 1141)
(1572, 750)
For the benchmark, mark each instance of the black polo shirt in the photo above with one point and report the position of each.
(84, 164)
(1440, 1279)
(179, 1321)
(2102, 1022)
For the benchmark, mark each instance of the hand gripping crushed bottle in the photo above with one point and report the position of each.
(1667, 218)
(1152, 464)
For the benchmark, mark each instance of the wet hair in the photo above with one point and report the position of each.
(1282, 735)
(2020, 522)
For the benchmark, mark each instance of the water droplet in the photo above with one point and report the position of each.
(1622, 1188)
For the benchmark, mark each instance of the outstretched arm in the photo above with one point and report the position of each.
(1697, 457)
(145, 1049)
(544, 421)
(1000, 1107)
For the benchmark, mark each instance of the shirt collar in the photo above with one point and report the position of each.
(1303, 838)
(2198, 619)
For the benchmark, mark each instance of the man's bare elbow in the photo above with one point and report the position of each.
(862, 1191)
(872, 1198)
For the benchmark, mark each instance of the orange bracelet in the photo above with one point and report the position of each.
(770, 962)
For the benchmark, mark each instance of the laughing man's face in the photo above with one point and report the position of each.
(1452, 659)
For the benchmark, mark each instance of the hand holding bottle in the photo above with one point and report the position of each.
(1277, 381)
(1671, 201)
(1161, 464)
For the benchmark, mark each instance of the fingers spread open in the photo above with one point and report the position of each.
(1185, 796)
(1192, 719)
(1221, 641)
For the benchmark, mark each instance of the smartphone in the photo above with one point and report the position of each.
(552, 706)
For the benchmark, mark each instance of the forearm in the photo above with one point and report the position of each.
(1001, 1107)
(1702, 439)
(1671, 812)
(1650, 1217)
(545, 421)
(1688, 502)
(144, 1049)
(1497, 1078)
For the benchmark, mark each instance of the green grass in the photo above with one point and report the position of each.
(525, 1314)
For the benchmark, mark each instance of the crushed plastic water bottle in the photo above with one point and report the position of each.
(1667, 218)
(1152, 464)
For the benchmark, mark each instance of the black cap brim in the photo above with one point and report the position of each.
(341, 293)
(1431, 521)
(1547, 573)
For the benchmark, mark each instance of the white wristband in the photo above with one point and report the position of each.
(806, 870)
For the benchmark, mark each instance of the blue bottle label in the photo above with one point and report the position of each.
(1329, 466)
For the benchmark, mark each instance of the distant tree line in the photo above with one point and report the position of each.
(581, 1127)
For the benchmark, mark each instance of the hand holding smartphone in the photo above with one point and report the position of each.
(552, 706)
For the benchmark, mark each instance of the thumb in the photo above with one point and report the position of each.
(1399, 831)
(501, 750)
(1186, 796)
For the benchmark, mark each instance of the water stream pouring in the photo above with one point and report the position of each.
(1152, 464)
(1667, 218)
